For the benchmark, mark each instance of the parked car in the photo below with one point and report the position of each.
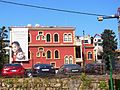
(13, 69)
(117, 69)
(89, 68)
(99, 68)
(68, 69)
(95, 68)
(41, 70)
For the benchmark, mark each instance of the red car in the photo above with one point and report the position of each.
(13, 69)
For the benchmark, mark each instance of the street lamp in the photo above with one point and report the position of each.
(101, 18)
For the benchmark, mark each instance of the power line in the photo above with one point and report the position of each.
(53, 9)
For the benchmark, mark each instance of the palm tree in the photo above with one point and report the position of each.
(3, 35)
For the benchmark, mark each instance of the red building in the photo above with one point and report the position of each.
(84, 50)
(51, 45)
(88, 49)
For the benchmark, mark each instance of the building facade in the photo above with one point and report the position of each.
(50, 45)
(88, 49)
(98, 49)
(84, 50)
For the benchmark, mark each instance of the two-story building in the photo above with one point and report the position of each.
(84, 50)
(39, 44)
(52, 45)
(98, 49)
(88, 49)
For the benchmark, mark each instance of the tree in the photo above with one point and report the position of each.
(109, 46)
(3, 35)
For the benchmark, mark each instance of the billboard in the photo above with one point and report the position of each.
(19, 44)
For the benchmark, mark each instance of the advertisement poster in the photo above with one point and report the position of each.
(19, 44)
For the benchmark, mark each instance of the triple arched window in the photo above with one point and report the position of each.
(67, 37)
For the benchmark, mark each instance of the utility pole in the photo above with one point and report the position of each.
(111, 80)
(101, 18)
(84, 51)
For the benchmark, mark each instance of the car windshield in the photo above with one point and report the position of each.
(89, 65)
(42, 65)
(72, 66)
(12, 65)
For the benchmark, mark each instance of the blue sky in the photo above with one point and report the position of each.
(14, 15)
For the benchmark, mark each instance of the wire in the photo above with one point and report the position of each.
(53, 9)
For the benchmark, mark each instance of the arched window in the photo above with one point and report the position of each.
(65, 37)
(70, 60)
(28, 37)
(38, 37)
(89, 55)
(43, 54)
(28, 54)
(56, 54)
(38, 54)
(48, 54)
(56, 38)
(69, 37)
(40, 33)
(66, 60)
(48, 37)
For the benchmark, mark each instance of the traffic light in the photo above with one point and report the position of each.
(107, 63)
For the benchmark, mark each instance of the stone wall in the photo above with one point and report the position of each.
(54, 83)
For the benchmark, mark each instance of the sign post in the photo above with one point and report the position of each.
(111, 80)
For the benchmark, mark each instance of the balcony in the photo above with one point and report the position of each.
(79, 60)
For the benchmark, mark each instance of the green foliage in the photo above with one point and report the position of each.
(3, 35)
(109, 45)
(103, 85)
(86, 82)
(9, 82)
(109, 42)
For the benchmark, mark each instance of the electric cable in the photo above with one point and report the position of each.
(53, 9)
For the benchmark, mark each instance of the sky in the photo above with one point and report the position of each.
(16, 15)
